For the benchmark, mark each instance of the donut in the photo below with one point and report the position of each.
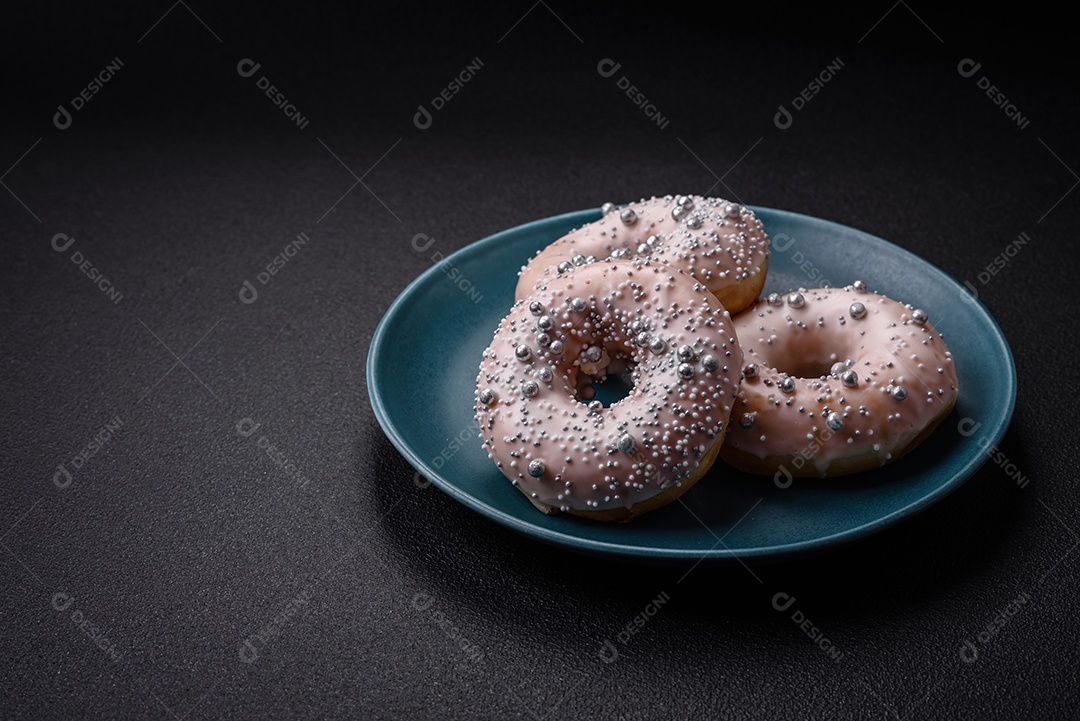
(720, 243)
(568, 453)
(837, 381)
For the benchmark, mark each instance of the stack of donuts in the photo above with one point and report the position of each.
(665, 291)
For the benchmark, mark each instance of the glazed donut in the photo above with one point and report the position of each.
(720, 243)
(566, 453)
(837, 381)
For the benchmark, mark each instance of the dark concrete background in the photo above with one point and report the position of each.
(133, 590)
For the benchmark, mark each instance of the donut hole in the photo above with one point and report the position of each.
(617, 383)
(803, 356)
(805, 367)
(613, 388)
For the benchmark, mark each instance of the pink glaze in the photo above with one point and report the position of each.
(718, 242)
(607, 458)
(902, 380)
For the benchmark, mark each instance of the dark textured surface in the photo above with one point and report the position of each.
(181, 538)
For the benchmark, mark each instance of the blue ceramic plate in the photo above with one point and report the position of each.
(425, 355)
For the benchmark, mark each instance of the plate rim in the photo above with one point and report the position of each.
(566, 540)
